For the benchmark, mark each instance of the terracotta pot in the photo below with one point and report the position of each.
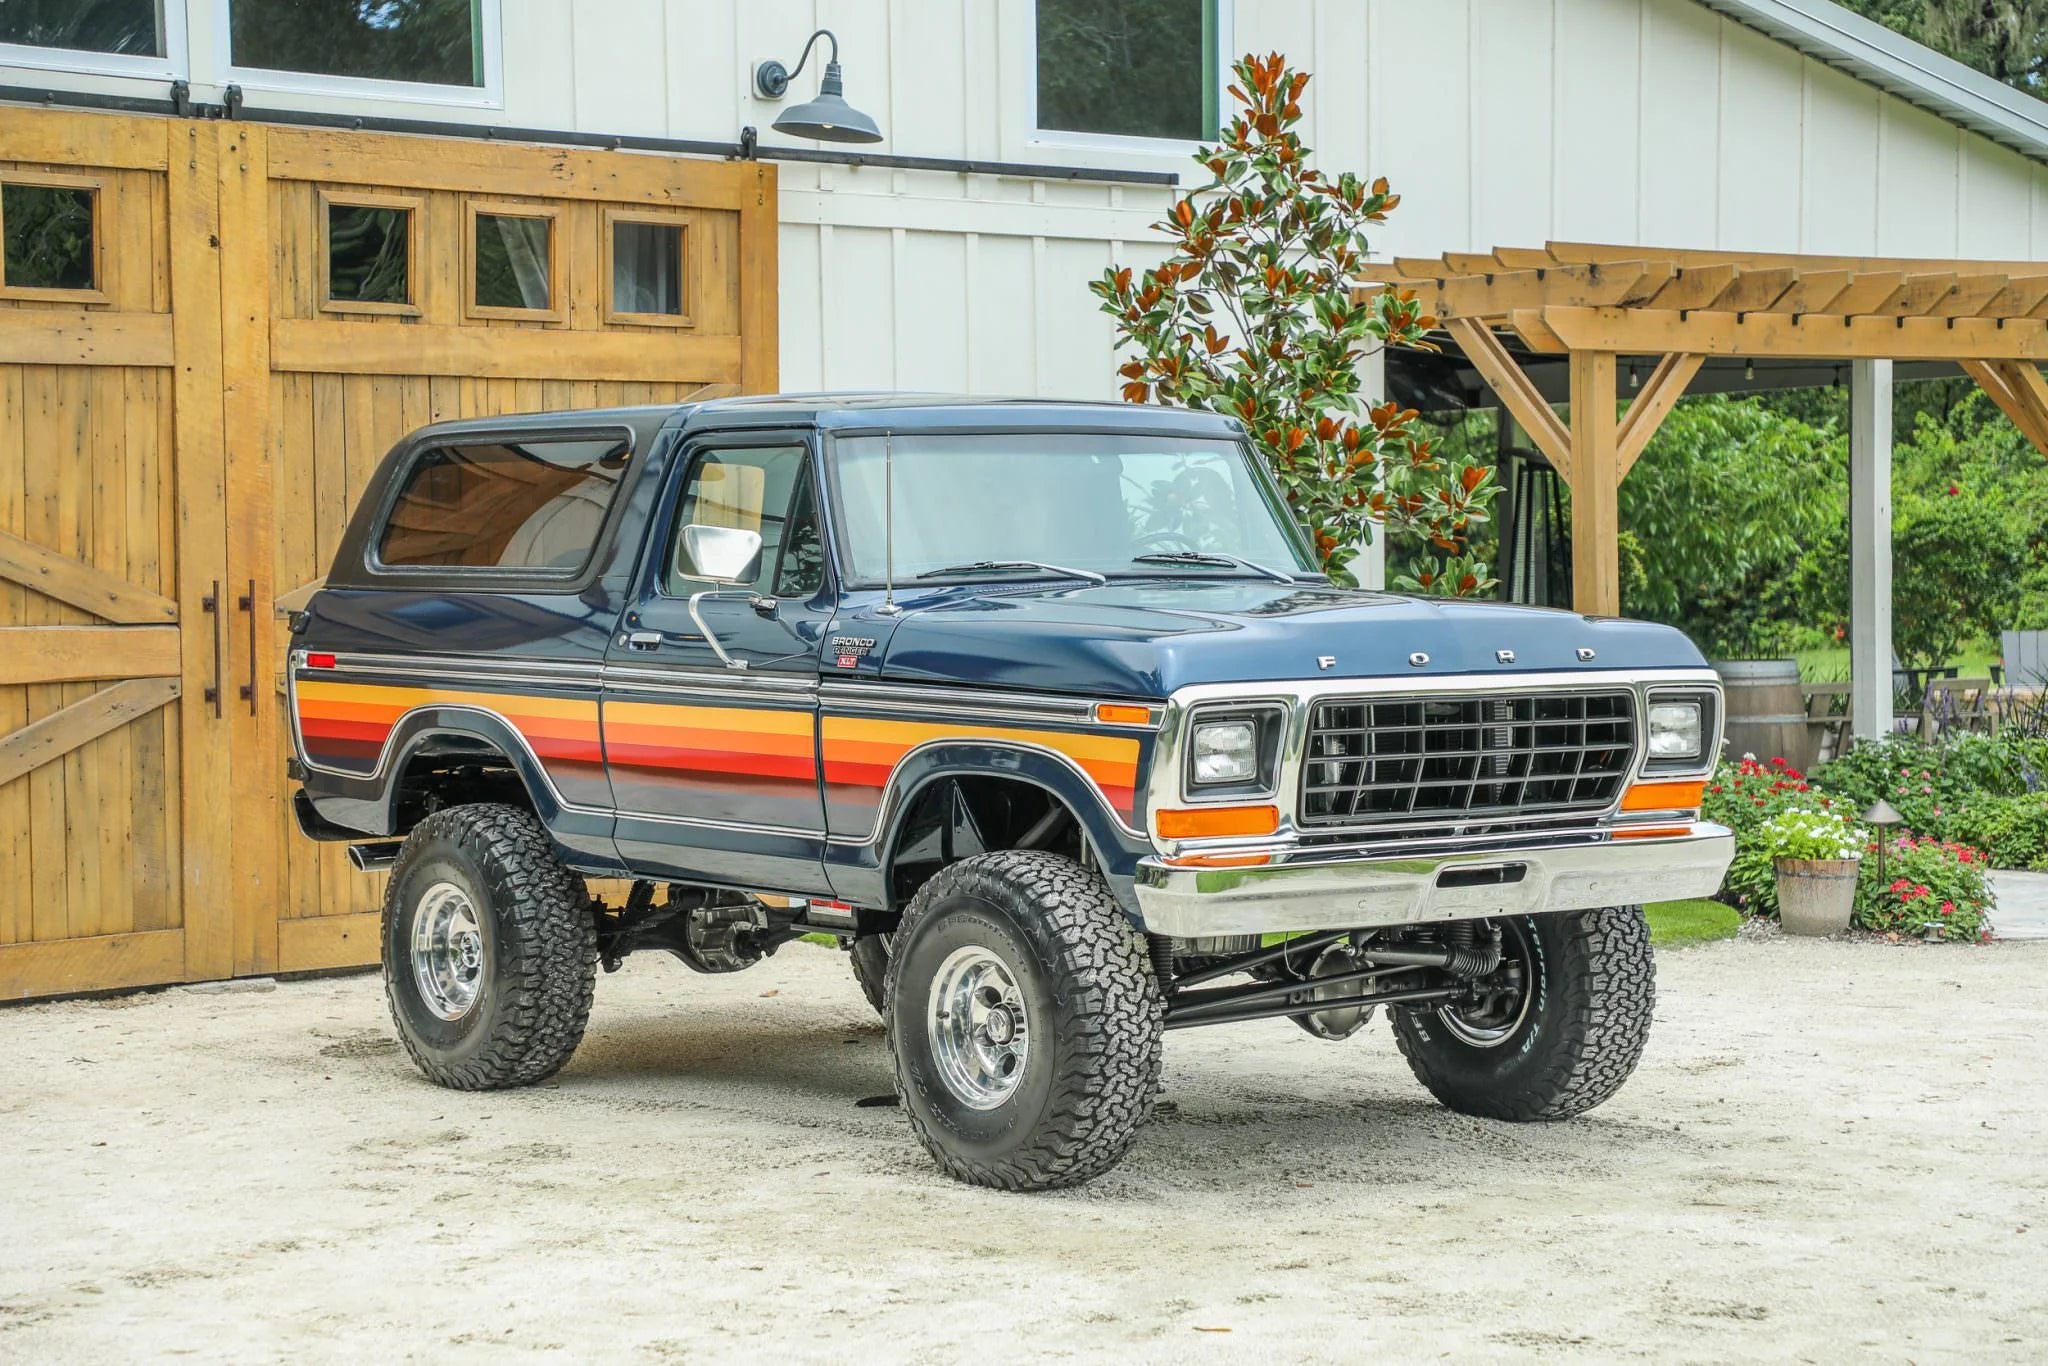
(1816, 896)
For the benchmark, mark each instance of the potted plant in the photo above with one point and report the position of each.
(1815, 855)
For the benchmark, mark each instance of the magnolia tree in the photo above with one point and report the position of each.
(1252, 314)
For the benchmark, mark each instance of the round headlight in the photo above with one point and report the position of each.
(1675, 730)
(1226, 752)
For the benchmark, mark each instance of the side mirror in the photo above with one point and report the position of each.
(722, 554)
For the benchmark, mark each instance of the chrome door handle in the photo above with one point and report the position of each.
(644, 640)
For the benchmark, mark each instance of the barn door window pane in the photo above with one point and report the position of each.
(369, 254)
(48, 231)
(429, 42)
(512, 261)
(646, 270)
(1128, 68)
(131, 28)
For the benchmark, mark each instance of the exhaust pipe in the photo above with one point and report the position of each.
(374, 858)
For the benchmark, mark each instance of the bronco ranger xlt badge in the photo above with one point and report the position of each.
(1007, 697)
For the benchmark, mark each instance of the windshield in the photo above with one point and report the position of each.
(1089, 502)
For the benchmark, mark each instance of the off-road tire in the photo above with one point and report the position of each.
(1094, 1011)
(869, 955)
(1596, 987)
(539, 954)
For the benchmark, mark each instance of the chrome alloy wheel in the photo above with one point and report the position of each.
(448, 951)
(978, 1030)
(1491, 1022)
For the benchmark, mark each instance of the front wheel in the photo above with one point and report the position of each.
(490, 950)
(1557, 1028)
(1024, 1022)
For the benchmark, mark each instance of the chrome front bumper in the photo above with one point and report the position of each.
(1336, 889)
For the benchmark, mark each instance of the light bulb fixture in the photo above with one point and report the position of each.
(1749, 371)
(1635, 379)
(828, 118)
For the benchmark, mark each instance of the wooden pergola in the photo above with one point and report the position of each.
(1595, 304)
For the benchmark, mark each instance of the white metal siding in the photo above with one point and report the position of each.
(1502, 122)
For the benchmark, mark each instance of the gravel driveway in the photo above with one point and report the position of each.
(1829, 1150)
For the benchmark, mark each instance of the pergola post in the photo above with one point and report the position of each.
(1595, 485)
(1870, 548)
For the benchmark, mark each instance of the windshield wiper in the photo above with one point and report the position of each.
(992, 566)
(1212, 557)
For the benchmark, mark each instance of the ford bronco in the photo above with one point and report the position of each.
(1042, 710)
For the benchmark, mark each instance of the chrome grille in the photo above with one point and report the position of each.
(1435, 759)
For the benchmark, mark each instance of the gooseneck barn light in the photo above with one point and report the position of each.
(828, 118)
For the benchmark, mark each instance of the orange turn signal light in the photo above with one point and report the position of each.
(1213, 822)
(1652, 832)
(1664, 796)
(1122, 714)
(1218, 861)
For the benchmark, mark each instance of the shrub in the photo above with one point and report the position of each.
(1922, 883)
(2012, 831)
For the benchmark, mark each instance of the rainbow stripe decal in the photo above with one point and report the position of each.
(860, 753)
(346, 725)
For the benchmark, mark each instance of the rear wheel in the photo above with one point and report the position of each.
(1024, 1022)
(490, 950)
(1557, 1028)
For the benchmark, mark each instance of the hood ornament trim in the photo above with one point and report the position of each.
(1585, 653)
(1504, 656)
(1326, 662)
(1419, 660)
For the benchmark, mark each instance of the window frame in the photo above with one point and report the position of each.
(557, 310)
(499, 579)
(489, 95)
(63, 180)
(175, 63)
(693, 458)
(1113, 150)
(607, 281)
(415, 248)
(651, 574)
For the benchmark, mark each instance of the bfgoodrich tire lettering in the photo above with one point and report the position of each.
(1091, 1005)
(1593, 985)
(539, 949)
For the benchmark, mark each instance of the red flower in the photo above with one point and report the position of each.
(1953, 491)
(1948, 908)
(1901, 885)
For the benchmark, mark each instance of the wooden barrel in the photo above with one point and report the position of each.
(1766, 713)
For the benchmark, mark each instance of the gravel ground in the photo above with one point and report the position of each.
(1830, 1150)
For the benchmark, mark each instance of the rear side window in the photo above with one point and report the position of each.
(520, 506)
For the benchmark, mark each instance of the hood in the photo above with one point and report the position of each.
(1147, 639)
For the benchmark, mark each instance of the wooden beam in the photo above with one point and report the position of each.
(65, 729)
(76, 654)
(1596, 483)
(1651, 406)
(1757, 290)
(75, 582)
(1694, 287)
(1812, 293)
(1495, 297)
(1918, 295)
(1424, 268)
(1535, 333)
(319, 942)
(52, 335)
(1582, 252)
(1656, 331)
(1992, 378)
(1973, 293)
(2030, 393)
(1866, 292)
(320, 346)
(64, 137)
(1516, 392)
(1524, 258)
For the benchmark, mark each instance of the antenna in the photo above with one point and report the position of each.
(889, 607)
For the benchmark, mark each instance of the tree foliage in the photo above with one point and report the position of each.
(1252, 315)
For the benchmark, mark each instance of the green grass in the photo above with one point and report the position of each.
(1677, 923)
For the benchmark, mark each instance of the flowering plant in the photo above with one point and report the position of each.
(1746, 796)
(1925, 883)
(1798, 834)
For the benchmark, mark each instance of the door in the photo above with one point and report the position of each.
(715, 766)
(118, 682)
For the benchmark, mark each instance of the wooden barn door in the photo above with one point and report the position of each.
(115, 605)
(344, 379)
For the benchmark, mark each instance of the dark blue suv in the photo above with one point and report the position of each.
(1042, 709)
